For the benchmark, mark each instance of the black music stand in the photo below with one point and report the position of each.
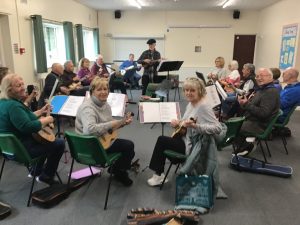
(167, 66)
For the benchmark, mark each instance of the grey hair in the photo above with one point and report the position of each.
(234, 64)
(250, 67)
(6, 85)
(67, 62)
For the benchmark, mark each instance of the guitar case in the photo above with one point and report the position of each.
(256, 166)
(5, 210)
(52, 195)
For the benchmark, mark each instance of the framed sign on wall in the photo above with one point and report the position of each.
(288, 46)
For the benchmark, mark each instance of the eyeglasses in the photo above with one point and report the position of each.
(262, 75)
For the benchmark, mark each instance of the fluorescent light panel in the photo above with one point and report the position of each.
(227, 3)
(135, 3)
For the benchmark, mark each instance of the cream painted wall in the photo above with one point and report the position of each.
(180, 43)
(58, 10)
(272, 19)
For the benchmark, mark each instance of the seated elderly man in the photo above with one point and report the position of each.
(259, 108)
(290, 95)
(100, 69)
(57, 71)
(70, 80)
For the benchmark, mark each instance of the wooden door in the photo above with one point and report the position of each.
(243, 49)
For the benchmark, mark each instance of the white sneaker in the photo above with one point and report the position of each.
(156, 180)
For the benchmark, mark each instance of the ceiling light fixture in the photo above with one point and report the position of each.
(227, 3)
(135, 3)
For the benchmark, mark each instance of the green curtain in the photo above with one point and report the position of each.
(96, 41)
(69, 40)
(80, 47)
(39, 44)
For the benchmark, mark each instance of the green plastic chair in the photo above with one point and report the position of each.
(12, 149)
(283, 124)
(233, 128)
(264, 135)
(87, 150)
(175, 159)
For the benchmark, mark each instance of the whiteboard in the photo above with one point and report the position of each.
(125, 46)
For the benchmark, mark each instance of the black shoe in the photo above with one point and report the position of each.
(122, 176)
(46, 179)
(245, 150)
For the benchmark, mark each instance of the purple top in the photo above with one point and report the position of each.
(82, 73)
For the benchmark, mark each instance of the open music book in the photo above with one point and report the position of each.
(152, 112)
(68, 105)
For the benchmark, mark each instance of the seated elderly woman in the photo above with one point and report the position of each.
(94, 117)
(18, 119)
(202, 126)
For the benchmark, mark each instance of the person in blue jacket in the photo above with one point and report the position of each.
(130, 67)
(290, 95)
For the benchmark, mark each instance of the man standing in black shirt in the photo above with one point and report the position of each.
(150, 60)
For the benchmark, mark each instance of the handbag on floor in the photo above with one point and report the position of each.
(51, 196)
(5, 210)
(257, 166)
(194, 192)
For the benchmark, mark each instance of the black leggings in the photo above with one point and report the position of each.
(158, 159)
(126, 148)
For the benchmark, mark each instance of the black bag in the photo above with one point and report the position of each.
(5, 210)
(51, 196)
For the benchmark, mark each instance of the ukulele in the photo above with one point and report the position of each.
(75, 85)
(180, 130)
(111, 135)
(151, 63)
(46, 134)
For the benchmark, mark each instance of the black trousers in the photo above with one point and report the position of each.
(53, 152)
(126, 148)
(158, 159)
(117, 83)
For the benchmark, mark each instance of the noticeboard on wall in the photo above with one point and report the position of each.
(288, 46)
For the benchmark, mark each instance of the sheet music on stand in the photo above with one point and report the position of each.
(221, 90)
(212, 96)
(167, 66)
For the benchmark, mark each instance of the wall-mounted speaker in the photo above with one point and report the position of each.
(236, 14)
(117, 14)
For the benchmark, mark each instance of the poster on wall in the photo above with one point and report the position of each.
(288, 46)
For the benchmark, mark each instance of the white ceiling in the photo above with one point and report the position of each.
(177, 4)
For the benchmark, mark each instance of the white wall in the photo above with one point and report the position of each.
(272, 19)
(21, 29)
(180, 43)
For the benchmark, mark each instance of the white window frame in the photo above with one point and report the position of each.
(57, 53)
(89, 44)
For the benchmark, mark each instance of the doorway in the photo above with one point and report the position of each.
(243, 50)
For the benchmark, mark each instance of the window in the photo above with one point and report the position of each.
(88, 44)
(55, 43)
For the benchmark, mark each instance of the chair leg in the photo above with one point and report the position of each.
(58, 177)
(32, 184)
(108, 188)
(162, 184)
(91, 171)
(266, 143)
(70, 173)
(177, 167)
(262, 150)
(2, 167)
(284, 144)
